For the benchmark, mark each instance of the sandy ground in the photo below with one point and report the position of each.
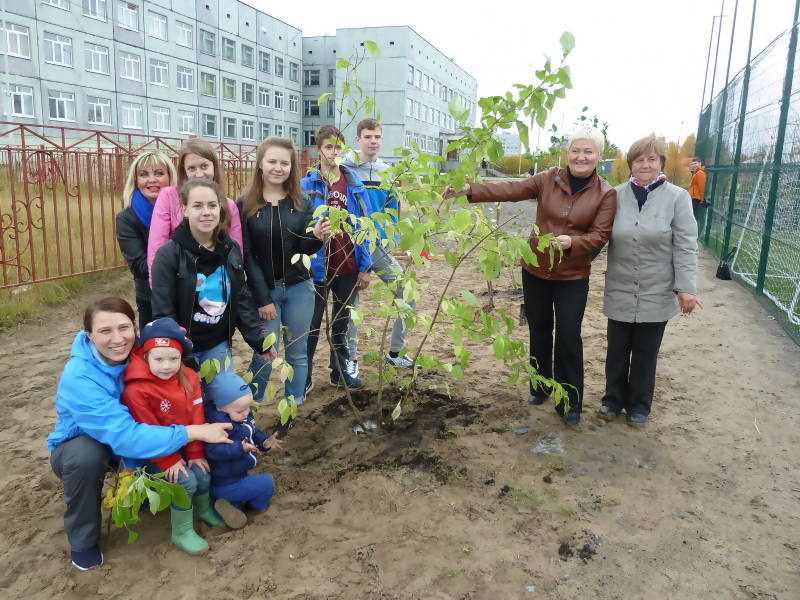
(461, 501)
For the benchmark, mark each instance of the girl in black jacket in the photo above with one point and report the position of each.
(276, 217)
(198, 279)
(148, 174)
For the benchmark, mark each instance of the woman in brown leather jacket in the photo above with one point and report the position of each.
(578, 207)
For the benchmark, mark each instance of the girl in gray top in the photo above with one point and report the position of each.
(652, 264)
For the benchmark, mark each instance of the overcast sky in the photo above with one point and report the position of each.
(637, 64)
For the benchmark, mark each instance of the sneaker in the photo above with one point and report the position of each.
(309, 387)
(400, 362)
(537, 400)
(350, 382)
(233, 517)
(352, 368)
(87, 560)
(609, 413)
(571, 419)
(637, 419)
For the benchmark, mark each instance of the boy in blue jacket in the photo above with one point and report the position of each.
(342, 267)
(228, 400)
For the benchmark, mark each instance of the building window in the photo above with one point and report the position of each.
(278, 66)
(416, 109)
(331, 76)
(58, 49)
(410, 80)
(17, 40)
(208, 84)
(131, 115)
(228, 49)
(130, 66)
(331, 109)
(294, 134)
(310, 108)
(62, 106)
(311, 77)
(264, 127)
(57, 3)
(157, 25)
(294, 71)
(278, 130)
(263, 61)
(96, 9)
(185, 34)
(159, 72)
(408, 139)
(248, 130)
(21, 101)
(417, 78)
(228, 127)
(263, 96)
(228, 89)
(210, 125)
(409, 107)
(185, 79)
(308, 138)
(95, 58)
(128, 16)
(294, 102)
(159, 119)
(208, 42)
(99, 110)
(248, 93)
(279, 100)
(248, 55)
(185, 121)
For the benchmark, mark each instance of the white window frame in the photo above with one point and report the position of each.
(205, 77)
(95, 9)
(57, 3)
(417, 78)
(248, 130)
(310, 108)
(132, 115)
(263, 97)
(95, 53)
(331, 77)
(311, 77)
(263, 130)
(130, 66)
(278, 100)
(409, 107)
(18, 94)
(248, 51)
(184, 78)
(159, 72)
(185, 35)
(264, 60)
(156, 25)
(228, 49)
(248, 89)
(331, 108)
(128, 16)
(229, 84)
(209, 120)
(186, 121)
(294, 134)
(278, 130)
(64, 103)
(205, 37)
(159, 119)
(22, 36)
(64, 45)
(294, 71)
(294, 103)
(101, 106)
(278, 66)
(229, 126)
(410, 81)
(308, 138)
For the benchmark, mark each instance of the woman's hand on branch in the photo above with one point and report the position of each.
(322, 229)
(267, 312)
(450, 192)
(565, 241)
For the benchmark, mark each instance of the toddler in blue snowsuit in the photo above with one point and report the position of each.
(228, 400)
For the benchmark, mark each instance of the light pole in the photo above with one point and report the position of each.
(720, 16)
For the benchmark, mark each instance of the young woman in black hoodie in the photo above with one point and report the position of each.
(198, 279)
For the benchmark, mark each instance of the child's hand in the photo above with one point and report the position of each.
(273, 442)
(171, 474)
(248, 447)
(202, 463)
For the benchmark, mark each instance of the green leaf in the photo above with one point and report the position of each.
(227, 362)
(295, 258)
(247, 377)
(469, 298)
(268, 341)
(499, 347)
(323, 98)
(154, 499)
(179, 496)
(306, 261)
(342, 63)
(284, 411)
(372, 48)
(132, 536)
(396, 412)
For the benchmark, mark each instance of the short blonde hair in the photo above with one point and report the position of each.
(148, 160)
(647, 144)
(591, 134)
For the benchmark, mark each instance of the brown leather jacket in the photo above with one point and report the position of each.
(587, 217)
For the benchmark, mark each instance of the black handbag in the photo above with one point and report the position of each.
(724, 268)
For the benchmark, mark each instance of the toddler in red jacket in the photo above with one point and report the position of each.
(161, 390)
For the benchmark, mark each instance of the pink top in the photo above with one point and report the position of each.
(167, 215)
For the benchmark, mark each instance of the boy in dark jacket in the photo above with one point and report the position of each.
(228, 400)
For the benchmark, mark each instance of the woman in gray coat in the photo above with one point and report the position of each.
(652, 264)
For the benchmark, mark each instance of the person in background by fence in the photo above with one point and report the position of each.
(149, 173)
(196, 158)
(652, 264)
(697, 187)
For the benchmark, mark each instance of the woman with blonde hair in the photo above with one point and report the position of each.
(196, 159)
(149, 173)
(276, 214)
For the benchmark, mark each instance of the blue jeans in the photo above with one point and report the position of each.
(197, 483)
(294, 306)
(255, 490)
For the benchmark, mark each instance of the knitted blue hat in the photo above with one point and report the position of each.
(226, 387)
(165, 333)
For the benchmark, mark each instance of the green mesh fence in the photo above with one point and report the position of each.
(747, 211)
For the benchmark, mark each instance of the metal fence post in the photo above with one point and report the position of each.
(737, 157)
(769, 216)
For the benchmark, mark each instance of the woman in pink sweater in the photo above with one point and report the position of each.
(196, 158)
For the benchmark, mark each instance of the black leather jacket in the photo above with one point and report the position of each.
(175, 283)
(257, 234)
(132, 238)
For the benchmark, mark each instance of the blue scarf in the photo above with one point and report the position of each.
(142, 208)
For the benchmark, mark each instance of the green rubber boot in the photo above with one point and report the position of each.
(183, 533)
(205, 512)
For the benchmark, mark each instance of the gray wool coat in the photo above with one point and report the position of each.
(652, 255)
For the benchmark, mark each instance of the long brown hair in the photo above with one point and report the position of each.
(224, 213)
(202, 148)
(112, 304)
(254, 192)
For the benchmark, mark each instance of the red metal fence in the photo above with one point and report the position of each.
(60, 188)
